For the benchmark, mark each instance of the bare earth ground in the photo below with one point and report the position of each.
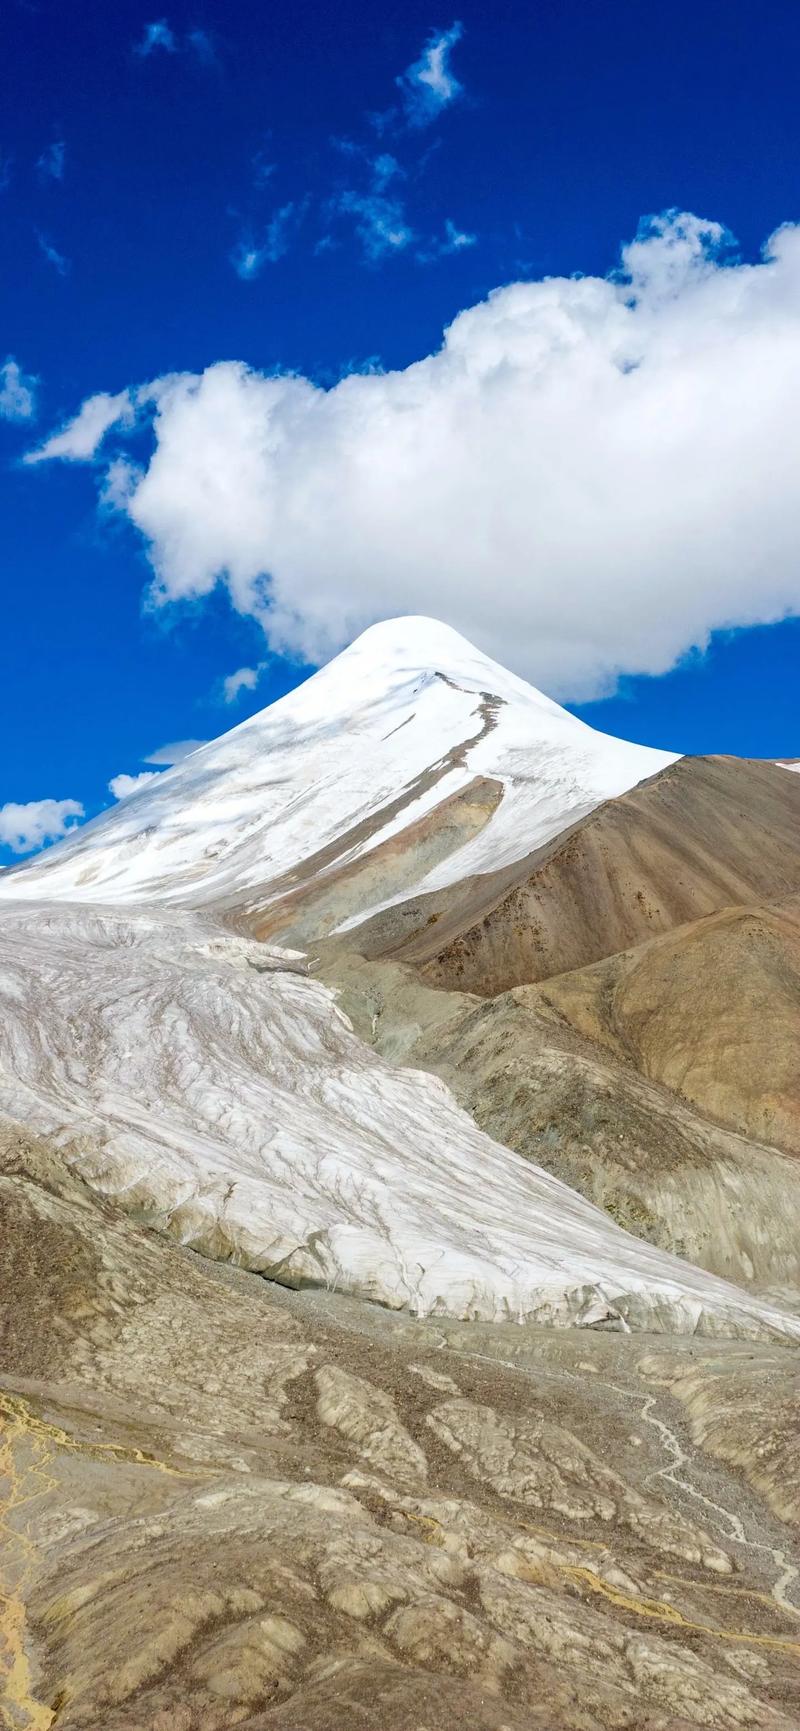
(227, 1504)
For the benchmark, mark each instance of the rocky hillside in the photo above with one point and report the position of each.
(227, 1504)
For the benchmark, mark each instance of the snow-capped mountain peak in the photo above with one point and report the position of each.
(407, 716)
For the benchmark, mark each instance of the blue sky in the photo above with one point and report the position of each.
(318, 191)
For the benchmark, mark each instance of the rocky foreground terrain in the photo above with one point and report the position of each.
(400, 1228)
(230, 1504)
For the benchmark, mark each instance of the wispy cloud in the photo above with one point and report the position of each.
(78, 441)
(453, 240)
(122, 786)
(26, 827)
(50, 165)
(198, 43)
(244, 679)
(249, 256)
(157, 35)
(429, 84)
(263, 169)
(380, 223)
(379, 213)
(17, 392)
(121, 478)
(201, 43)
(51, 253)
(165, 755)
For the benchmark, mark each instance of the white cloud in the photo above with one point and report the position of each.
(166, 755)
(80, 438)
(380, 223)
(156, 35)
(456, 239)
(25, 827)
(430, 84)
(453, 240)
(249, 259)
(17, 392)
(121, 477)
(160, 35)
(378, 213)
(587, 478)
(244, 679)
(52, 254)
(51, 162)
(122, 786)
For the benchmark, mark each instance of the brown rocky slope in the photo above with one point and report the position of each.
(228, 1505)
(705, 834)
(712, 1010)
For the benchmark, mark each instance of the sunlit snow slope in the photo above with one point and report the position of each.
(195, 1075)
(407, 716)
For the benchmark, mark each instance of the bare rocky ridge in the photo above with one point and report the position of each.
(660, 1167)
(227, 1505)
(702, 835)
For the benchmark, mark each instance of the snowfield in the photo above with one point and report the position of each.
(402, 712)
(200, 1078)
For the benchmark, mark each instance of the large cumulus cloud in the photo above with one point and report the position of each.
(588, 477)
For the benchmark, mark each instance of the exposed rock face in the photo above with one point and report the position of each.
(231, 1506)
(711, 1010)
(368, 1418)
(701, 835)
(541, 1464)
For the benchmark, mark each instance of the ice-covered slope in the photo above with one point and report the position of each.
(196, 1076)
(406, 717)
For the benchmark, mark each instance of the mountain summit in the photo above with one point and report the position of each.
(398, 726)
